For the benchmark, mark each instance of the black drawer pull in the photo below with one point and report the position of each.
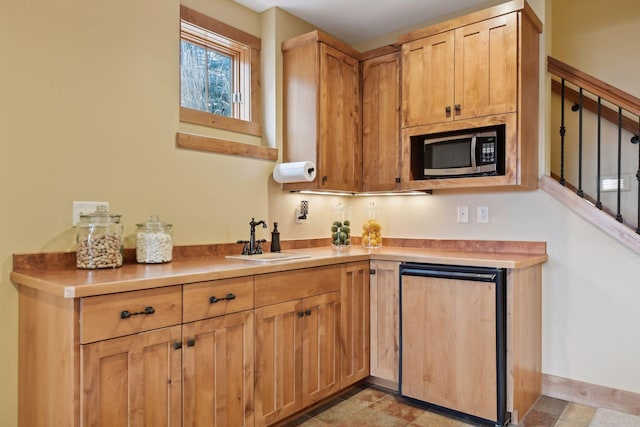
(447, 109)
(191, 342)
(229, 297)
(125, 314)
(301, 314)
(177, 345)
(457, 107)
(307, 312)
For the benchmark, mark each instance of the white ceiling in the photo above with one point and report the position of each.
(355, 21)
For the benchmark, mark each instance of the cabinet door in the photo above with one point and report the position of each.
(381, 123)
(133, 380)
(385, 321)
(427, 80)
(218, 371)
(449, 344)
(339, 143)
(486, 67)
(320, 347)
(278, 361)
(355, 322)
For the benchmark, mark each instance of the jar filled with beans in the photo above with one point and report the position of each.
(154, 241)
(99, 240)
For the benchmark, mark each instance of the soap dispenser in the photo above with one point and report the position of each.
(275, 238)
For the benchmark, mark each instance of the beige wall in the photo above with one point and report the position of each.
(89, 111)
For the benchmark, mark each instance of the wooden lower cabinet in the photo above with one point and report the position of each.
(218, 371)
(133, 380)
(355, 322)
(297, 355)
(385, 323)
(228, 366)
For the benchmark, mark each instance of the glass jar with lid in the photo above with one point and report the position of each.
(154, 241)
(341, 226)
(372, 227)
(99, 240)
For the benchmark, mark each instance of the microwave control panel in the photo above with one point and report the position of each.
(488, 151)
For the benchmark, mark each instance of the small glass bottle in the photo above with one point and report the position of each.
(99, 240)
(372, 227)
(341, 227)
(154, 241)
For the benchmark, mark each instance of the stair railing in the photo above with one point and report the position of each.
(589, 94)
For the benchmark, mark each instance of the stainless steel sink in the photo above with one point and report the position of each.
(268, 257)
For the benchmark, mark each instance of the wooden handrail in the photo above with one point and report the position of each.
(594, 85)
(589, 104)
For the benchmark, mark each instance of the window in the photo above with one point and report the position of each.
(219, 67)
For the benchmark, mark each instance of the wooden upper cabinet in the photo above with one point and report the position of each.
(322, 111)
(474, 71)
(381, 121)
(460, 74)
(427, 80)
(486, 67)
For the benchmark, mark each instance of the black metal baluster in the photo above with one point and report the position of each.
(580, 192)
(634, 140)
(598, 201)
(563, 131)
(619, 214)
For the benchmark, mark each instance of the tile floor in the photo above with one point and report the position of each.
(371, 407)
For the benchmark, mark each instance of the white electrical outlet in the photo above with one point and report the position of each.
(84, 208)
(463, 214)
(483, 214)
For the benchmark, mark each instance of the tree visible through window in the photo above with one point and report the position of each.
(218, 74)
(206, 79)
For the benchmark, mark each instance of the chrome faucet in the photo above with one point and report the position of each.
(252, 246)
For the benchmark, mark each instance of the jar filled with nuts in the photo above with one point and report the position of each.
(99, 240)
(154, 241)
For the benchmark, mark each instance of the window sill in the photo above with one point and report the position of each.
(222, 146)
(196, 117)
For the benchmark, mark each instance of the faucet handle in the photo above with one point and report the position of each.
(245, 246)
(258, 245)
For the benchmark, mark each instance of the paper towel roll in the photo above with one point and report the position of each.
(294, 172)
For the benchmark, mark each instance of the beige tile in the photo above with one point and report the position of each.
(365, 396)
(578, 415)
(431, 419)
(550, 405)
(343, 410)
(536, 418)
(369, 417)
(611, 418)
(393, 405)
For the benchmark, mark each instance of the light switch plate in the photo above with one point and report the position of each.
(463, 214)
(483, 214)
(84, 208)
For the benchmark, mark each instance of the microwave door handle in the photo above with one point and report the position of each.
(473, 152)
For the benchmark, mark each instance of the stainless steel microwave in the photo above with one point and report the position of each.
(468, 153)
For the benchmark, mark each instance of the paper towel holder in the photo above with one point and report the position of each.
(304, 171)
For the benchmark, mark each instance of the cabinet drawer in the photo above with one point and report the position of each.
(218, 297)
(113, 315)
(273, 288)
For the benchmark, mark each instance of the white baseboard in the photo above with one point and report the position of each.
(591, 394)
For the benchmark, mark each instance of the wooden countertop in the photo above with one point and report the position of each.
(73, 283)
